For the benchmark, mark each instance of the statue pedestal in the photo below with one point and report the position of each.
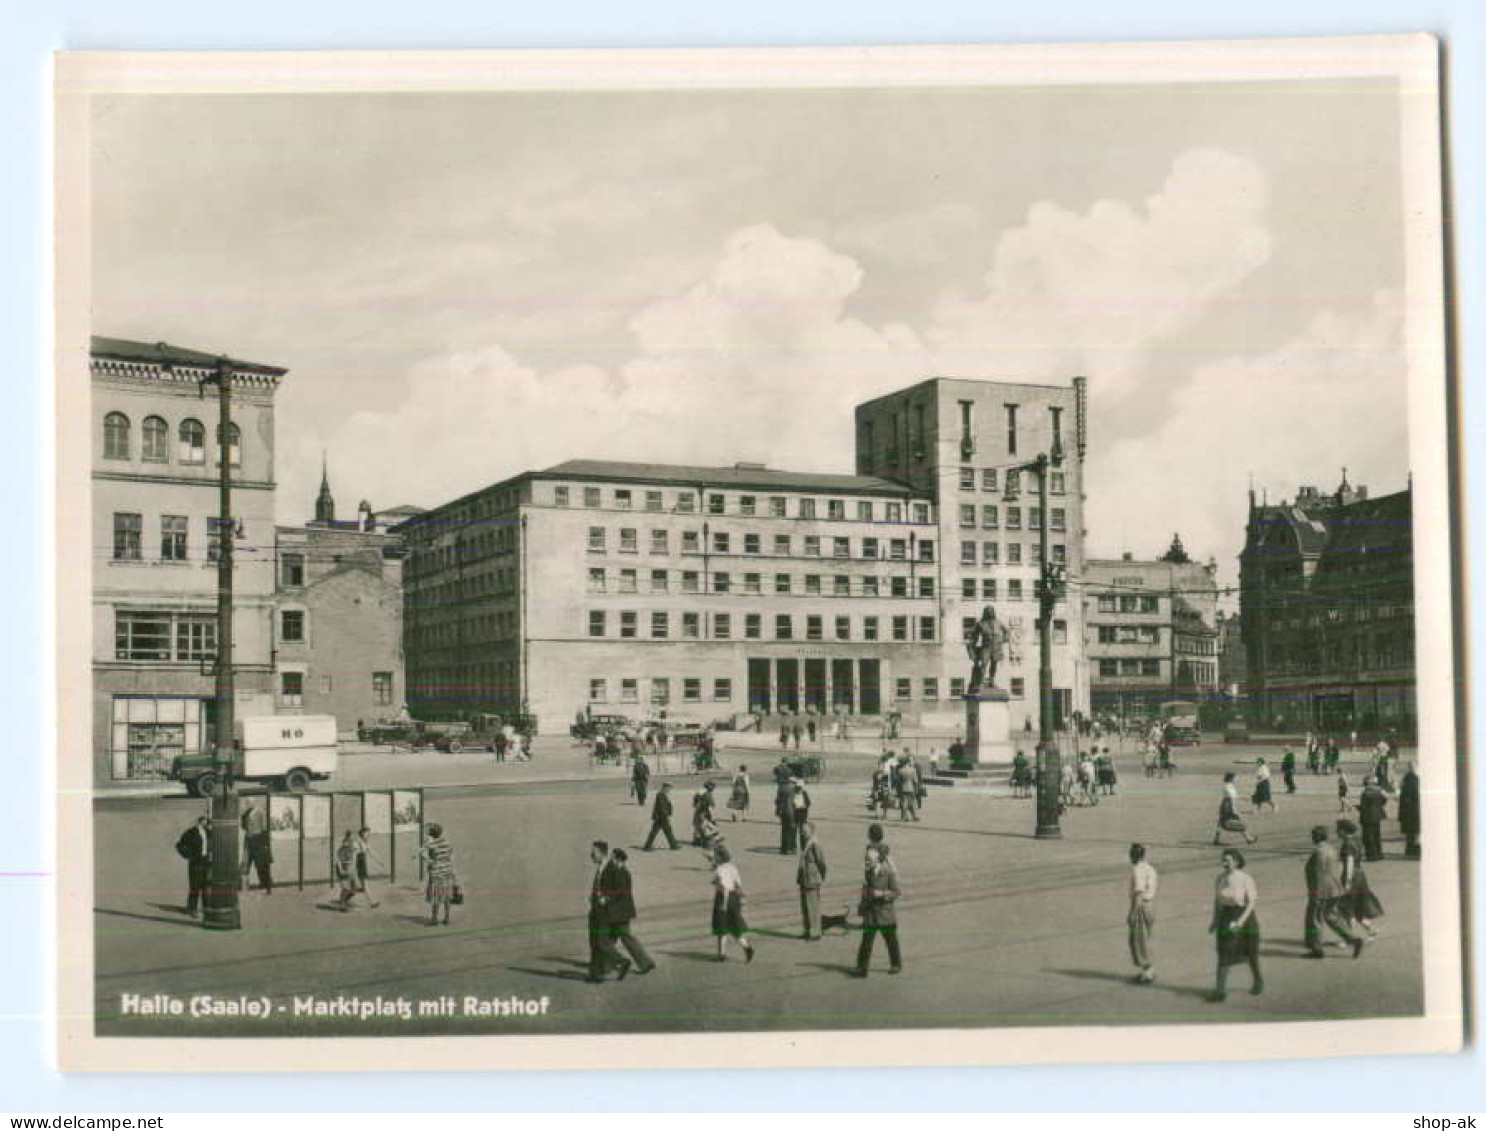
(988, 728)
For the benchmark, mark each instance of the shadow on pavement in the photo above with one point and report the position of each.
(691, 956)
(844, 968)
(178, 918)
(1124, 980)
(560, 975)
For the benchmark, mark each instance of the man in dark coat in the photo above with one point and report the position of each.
(195, 847)
(878, 910)
(602, 951)
(1287, 768)
(1325, 892)
(1372, 807)
(620, 909)
(259, 844)
(1408, 811)
(640, 776)
(660, 818)
(809, 876)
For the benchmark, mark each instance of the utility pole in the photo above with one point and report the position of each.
(1049, 760)
(221, 911)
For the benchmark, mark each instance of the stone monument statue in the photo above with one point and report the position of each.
(986, 645)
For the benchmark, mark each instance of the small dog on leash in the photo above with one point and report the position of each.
(842, 920)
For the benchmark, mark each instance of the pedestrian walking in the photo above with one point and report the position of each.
(443, 885)
(1263, 790)
(1228, 819)
(701, 812)
(500, 745)
(727, 905)
(907, 790)
(1021, 776)
(1287, 770)
(1359, 903)
(1141, 919)
(603, 951)
(1104, 772)
(878, 909)
(364, 857)
(346, 873)
(1342, 789)
(1408, 811)
(1325, 897)
(1150, 759)
(1235, 923)
(882, 792)
(640, 781)
(1372, 807)
(258, 843)
(796, 733)
(1088, 794)
(783, 736)
(660, 818)
(784, 809)
(740, 794)
(194, 846)
(1333, 756)
(810, 875)
(810, 730)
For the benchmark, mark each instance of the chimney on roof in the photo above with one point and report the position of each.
(745, 466)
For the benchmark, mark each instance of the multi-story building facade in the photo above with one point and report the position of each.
(705, 592)
(1326, 595)
(1233, 659)
(156, 458)
(338, 618)
(1152, 631)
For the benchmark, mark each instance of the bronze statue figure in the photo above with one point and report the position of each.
(986, 645)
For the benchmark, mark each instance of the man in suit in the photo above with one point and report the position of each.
(1408, 812)
(259, 844)
(195, 847)
(1324, 895)
(1372, 807)
(784, 809)
(602, 951)
(660, 818)
(640, 776)
(878, 909)
(810, 874)
(620, 907)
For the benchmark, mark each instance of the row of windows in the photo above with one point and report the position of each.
(164, 636)
(1128, 603)
(781, 545)
(1383, 650)
(118, 441)
(990, 517)
(1129, 634)
(627, 689)
(988, 481)
(291, 688)
(989, 553)
(1360, 614)
(774, 506)
(1110, 668)
(690, 626)
(600, 580)
(128, 537)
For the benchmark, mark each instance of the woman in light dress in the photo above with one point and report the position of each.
(727, 905)
(739, 798)
(1235, 922)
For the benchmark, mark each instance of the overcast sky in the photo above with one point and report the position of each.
(467, 286)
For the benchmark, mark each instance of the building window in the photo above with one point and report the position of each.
(1127, 604)
(1106, 634)
(691, 625)
(291, 689)
(382, 689)
(967, 553)
(753, 626)
(1150, 604)
(691, 542)
(722, 625)
(812, 546)
(967, 588)
(291, 571)
(864, 512)
(967, 479)
(116, 436)
(784, 628)
(721, 542)
(629, 581)
(869, 548)
(623, 500)
(1106, 604)
(690, 581)
(812, 585)
(722, 583)
(926, 549)
(926, 587)
(560, 495)
(1013, 518)
(869, 587)
(597, 580)
(660, 691)
(1034, 518)
(1013, 553)
(722, 690)
(233, 445)
(686, 503)
(990, 553)
(1055, 483)
(716, 504)
(173, 537)
(629, 690)
(843, 628)
(990, 517)
(660, 625)
(957, 688)
(777, 506)
(747, 504)
(1060, 632)
(1150, 667)
(813, 629)
(691, 690)
(926, 628)
(988, 479)
(1011, 429)
(836, 510)
(215, 528)
(898, 550)
(807, 508)
(752, 544)
(598, 690)
(931, 689)
(1014, 589)
(1058, 518)
(899, 586)
(660, 542)
(1129, 667)
(1060, 553)
(781, 545)
(753, 583)
(1150, 634)
(291, 626)
(592, 497)
(967, 517)
(988, 588)
(660, 581)
(629, 625)
(869, 628)
(1108, 669)
(841, 547)
(597, 622)
(128, 530)
(921, 512)
(1018, 687)
(595, 539)
(781, 583)
(654, 501)
(900, 628)
(629, 540)
(895, 512)
(904, 688)
(156, 436)
(192, 442)
(841, 585)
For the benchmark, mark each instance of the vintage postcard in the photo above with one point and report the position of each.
(730, 558)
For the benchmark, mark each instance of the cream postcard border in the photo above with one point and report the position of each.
(1412, 59)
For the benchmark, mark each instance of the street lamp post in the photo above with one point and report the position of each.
(220, 907)
(1049, 761)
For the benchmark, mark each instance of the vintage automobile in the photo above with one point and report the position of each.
(284, 752)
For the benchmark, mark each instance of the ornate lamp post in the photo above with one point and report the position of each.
(1050, 585)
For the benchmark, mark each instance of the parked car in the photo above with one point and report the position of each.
(280, 751)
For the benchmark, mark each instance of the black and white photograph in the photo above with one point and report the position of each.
(924, 555)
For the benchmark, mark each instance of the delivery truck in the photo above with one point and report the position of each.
(284, 752)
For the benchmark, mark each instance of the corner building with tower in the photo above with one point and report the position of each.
(713, 592)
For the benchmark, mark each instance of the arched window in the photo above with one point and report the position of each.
(156, 434)
(116, 436)
(193, 442)
(234, 446)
